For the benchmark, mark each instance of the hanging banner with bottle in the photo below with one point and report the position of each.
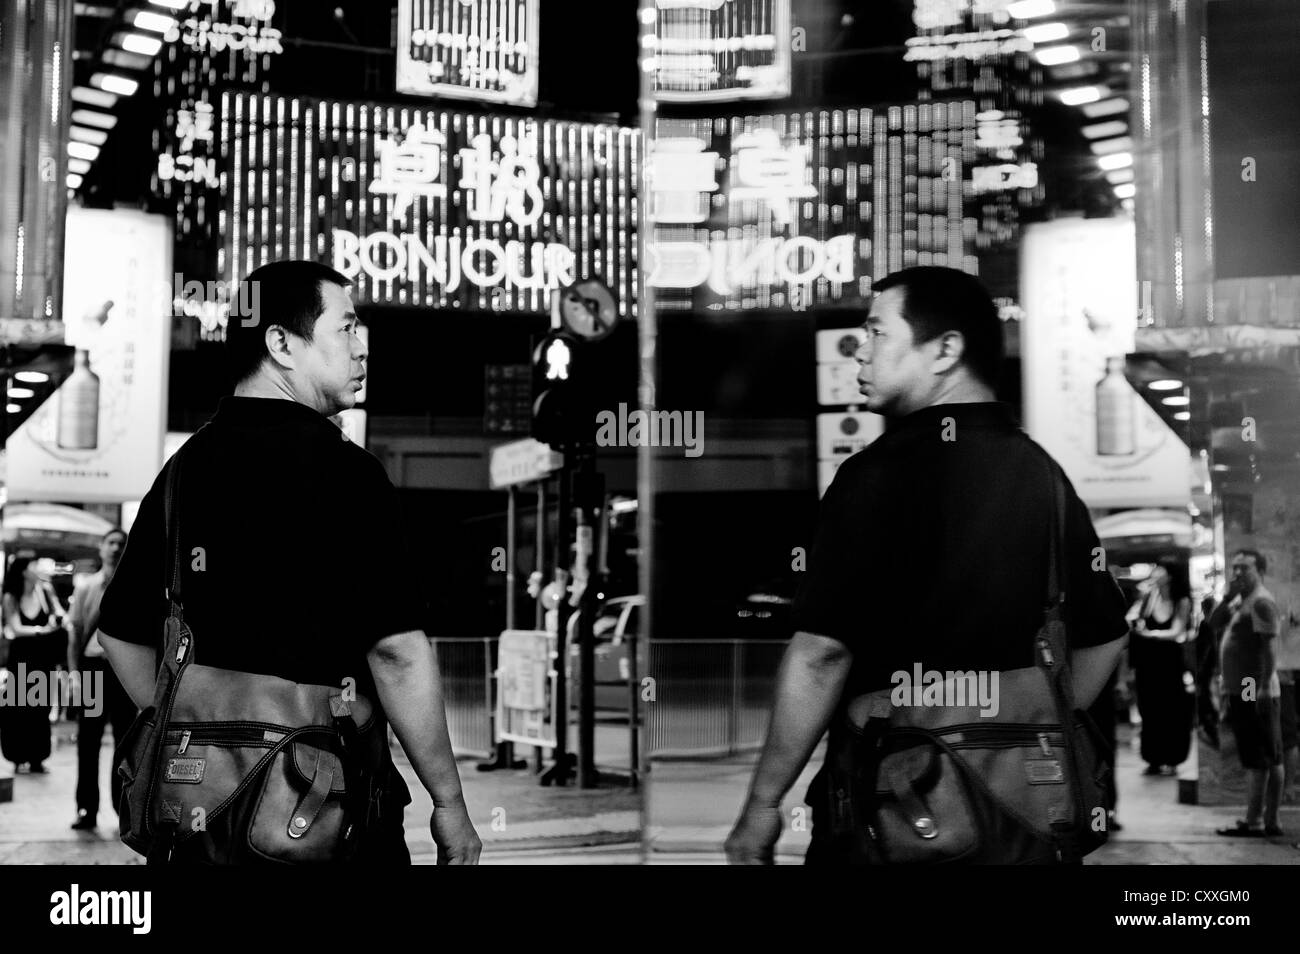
(1079, 290)
(99, 438)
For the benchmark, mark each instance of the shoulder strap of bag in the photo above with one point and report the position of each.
(171, 531)
(1053, 658)
(1053, 638)
(176, 644)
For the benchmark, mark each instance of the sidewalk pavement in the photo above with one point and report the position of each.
(517, 819)
(692, 806)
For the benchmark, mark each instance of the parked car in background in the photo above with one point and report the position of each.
(615, 627)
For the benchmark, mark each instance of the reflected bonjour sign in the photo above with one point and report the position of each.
(800, 210)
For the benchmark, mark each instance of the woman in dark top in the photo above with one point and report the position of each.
(1161, 618)
(33, 623)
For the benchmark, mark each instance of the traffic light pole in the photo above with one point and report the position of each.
(560, 772)
(588, 496)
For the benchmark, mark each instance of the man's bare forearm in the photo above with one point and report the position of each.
(405, 670)
(1091, 668)
(136, 667)
(811, 678)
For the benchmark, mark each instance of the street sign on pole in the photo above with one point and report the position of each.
(521, 462)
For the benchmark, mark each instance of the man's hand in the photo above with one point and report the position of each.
(458, 843)
(753, 840)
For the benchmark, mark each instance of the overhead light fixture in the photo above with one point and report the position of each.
(32, 377)
(14, 408)
(96, 137)
(79, 166)
(157, 22)
(1116, 160)
(1105, 130)
(1166, 384)
(1119, 175)
(171, 4)
(1056, 55)
(1083, 71)
(139, 43)
(115, 83)
(1046, 32)
(1108, 107)
(1028, 9)
(1080, 95)
(1125, 190)
(1176, 400)
(1102, 147)
(1183, 416)
(126, 61)
(19, 394)
(88, 117)
(93, 97)
(83, 150)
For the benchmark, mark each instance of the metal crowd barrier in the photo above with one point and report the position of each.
(466, 668)
(712, 696)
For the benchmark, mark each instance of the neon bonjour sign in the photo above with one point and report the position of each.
(483, 262)
(429, 207)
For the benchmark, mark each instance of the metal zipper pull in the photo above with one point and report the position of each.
(1043, 744)
(1045, 650)
(185, 742)
(182, 649)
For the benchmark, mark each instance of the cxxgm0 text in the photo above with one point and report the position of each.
(1160, 897)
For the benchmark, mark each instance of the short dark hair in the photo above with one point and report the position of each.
(285, 293)
(938, 299)
(1260, 563)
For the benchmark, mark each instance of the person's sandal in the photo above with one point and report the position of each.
(1241, 830)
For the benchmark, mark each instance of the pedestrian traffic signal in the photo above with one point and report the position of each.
(556, 390)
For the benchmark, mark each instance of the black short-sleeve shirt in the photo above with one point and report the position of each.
(293, 556)
(932, 548)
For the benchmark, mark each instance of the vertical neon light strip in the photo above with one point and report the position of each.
(308, 185)
(294, 173)
(267, 164)
(235, 102)
(279, 175)
(1207, 175)
(582, 161)
(444, 203)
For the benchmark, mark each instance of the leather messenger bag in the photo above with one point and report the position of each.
(227, 767)
(944, 784)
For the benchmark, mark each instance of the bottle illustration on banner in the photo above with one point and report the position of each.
(79, 407)
(1116, 413)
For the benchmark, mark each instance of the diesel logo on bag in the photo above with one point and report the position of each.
(185, 770)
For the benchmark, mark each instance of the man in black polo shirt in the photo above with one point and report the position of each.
(293, 557)
(932, 543)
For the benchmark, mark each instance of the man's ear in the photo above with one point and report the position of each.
(950, 347)
(277, 344)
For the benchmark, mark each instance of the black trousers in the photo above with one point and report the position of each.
(116, 710)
